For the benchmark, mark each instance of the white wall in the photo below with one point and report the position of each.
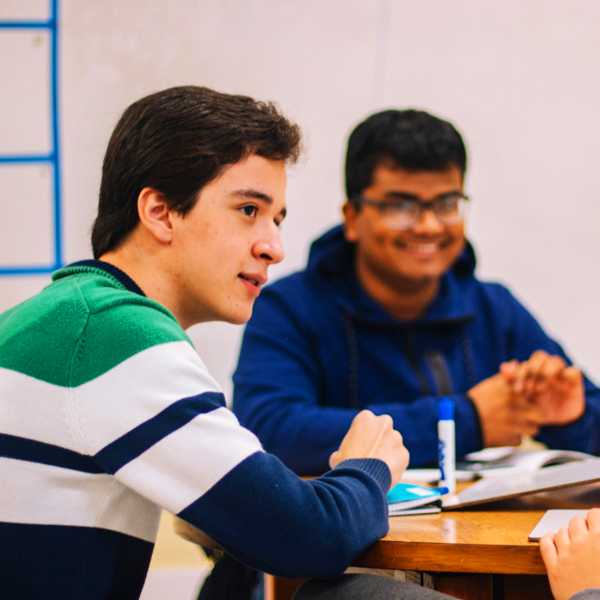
(519, 78)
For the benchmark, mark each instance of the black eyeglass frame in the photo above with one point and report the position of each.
(421, 205)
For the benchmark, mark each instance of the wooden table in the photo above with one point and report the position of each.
(480, 553)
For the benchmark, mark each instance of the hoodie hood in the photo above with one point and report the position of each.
(331, 260)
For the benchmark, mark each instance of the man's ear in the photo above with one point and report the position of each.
(350, 218)
(155, 215)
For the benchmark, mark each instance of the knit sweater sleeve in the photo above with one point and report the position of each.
(162, 430)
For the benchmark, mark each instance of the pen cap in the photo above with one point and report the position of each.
(446, 408)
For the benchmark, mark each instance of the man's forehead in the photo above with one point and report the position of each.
(254, 172)
(395, 177)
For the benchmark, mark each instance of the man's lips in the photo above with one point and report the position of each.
(256, 280)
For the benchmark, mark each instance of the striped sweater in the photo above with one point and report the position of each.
(107, 416)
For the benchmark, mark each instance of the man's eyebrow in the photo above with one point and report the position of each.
(399, 195)
(254, 194)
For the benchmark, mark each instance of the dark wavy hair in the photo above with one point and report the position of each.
(176, 141)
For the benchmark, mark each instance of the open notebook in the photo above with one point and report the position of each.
(497, 461)
(514, 484)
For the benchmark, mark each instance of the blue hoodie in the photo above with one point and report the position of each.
(318, 349)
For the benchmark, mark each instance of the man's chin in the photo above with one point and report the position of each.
(426, 272)
(239, 318)
(418, 279)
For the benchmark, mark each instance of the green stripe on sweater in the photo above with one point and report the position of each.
(79, 327)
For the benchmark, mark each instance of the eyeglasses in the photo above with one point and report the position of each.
(404, 213)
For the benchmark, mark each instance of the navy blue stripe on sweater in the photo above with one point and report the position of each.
(12, 446)
(323, 524)
(135, 442)
(37, 561)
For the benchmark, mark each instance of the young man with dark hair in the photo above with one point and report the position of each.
(108, 414)
(389, 316)
(199, 134)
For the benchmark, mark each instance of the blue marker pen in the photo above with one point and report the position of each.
(446, 447)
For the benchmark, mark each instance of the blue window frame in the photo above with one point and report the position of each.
(52, 159)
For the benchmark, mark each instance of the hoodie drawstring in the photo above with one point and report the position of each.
(435, 360)
(352, 361)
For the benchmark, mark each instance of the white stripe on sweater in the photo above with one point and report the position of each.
(87, 418)
(40, 494)
(109, 406)
(213, 444)
(40, 410)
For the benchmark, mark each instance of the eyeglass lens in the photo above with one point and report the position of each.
(405, 213)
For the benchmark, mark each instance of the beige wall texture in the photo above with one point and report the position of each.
(519, 78)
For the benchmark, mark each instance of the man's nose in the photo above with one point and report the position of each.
(428, 221)
(270, 248)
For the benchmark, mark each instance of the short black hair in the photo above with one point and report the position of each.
(176, 141)
(410, 139)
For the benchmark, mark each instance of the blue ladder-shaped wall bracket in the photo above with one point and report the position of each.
(53, 158)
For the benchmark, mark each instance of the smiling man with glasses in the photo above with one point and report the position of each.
(389, 315)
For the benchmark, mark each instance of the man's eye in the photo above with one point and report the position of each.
(402, 206)
(448, 203)
(249, 210)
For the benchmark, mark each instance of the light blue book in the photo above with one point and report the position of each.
(410, 499)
